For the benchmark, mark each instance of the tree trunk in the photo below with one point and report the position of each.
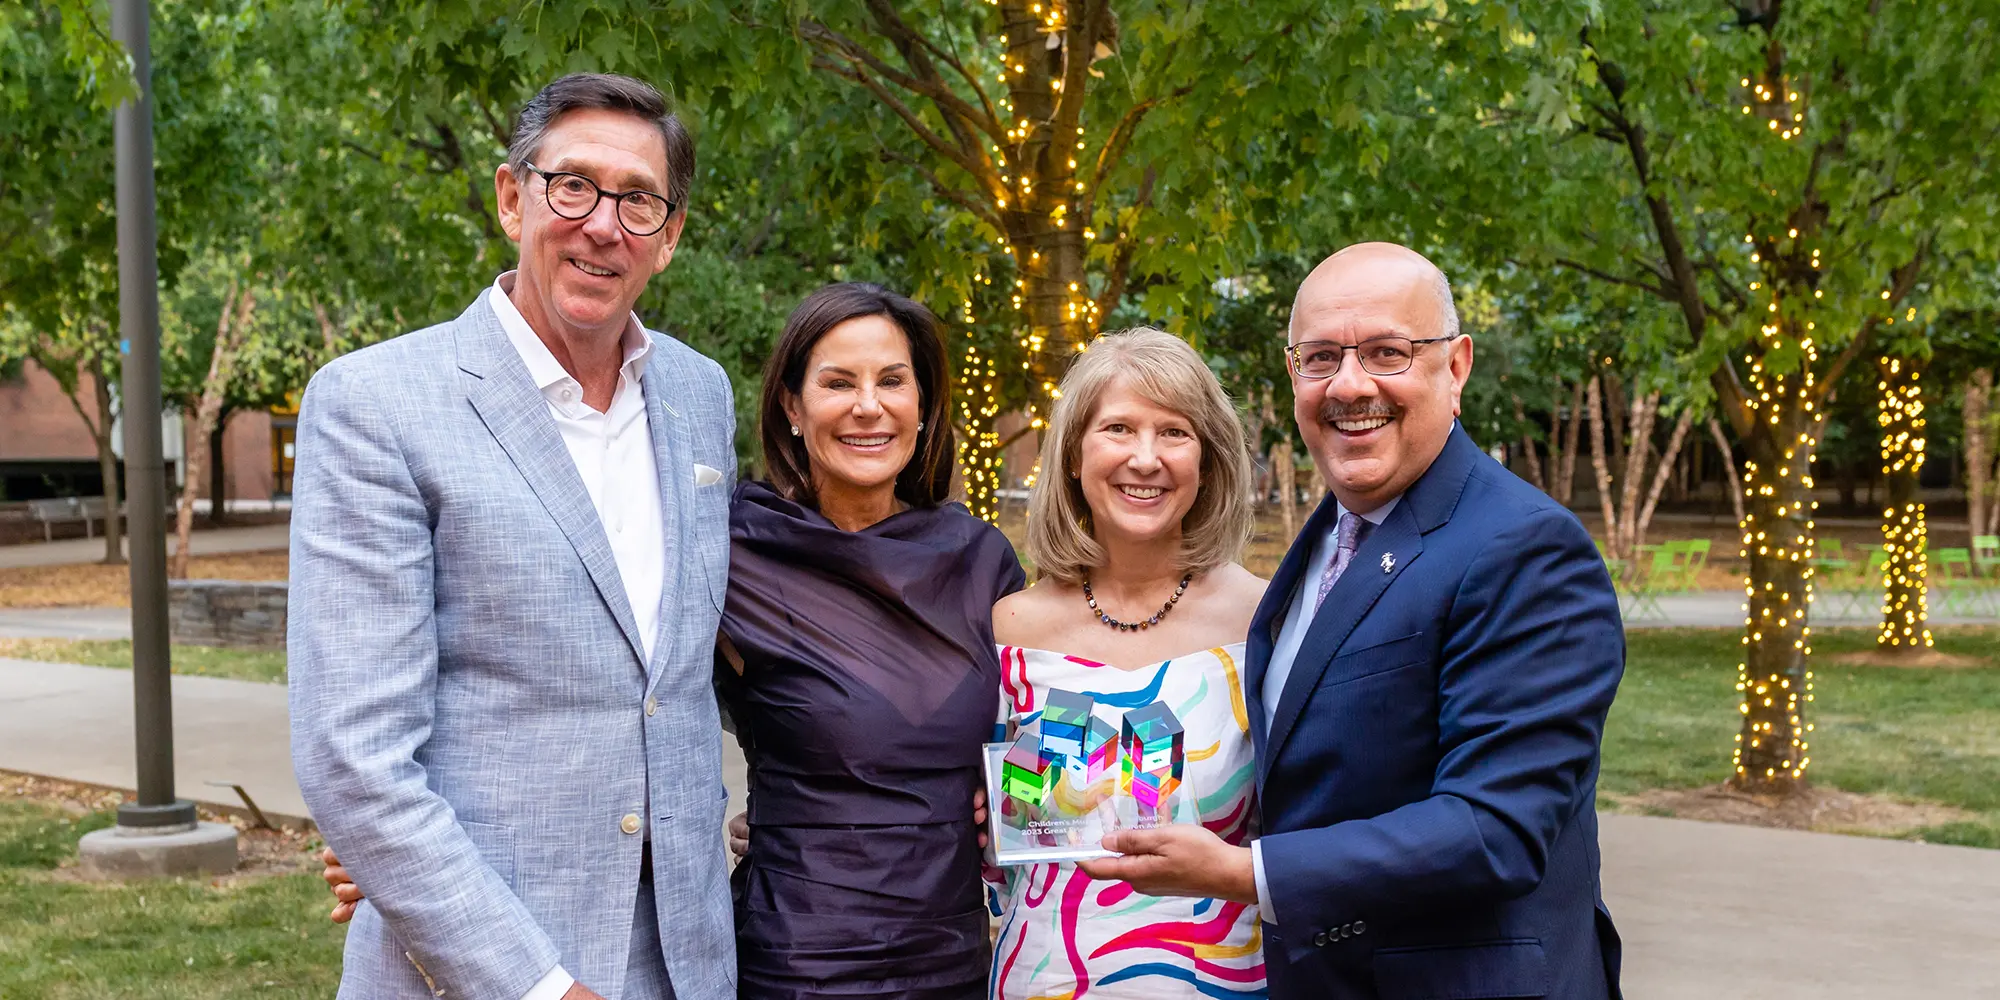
(1255, 419)
(1668, 460)
(107, 467)
(1982, 503)
(218, 476)
(1735, 485)
(1634, 475)
(1615, 419)
(1284, 479)
(1566, 476)
(229, 334)
(1529, 457)
(1905, 607)
(1772, 749)
(1597, 463)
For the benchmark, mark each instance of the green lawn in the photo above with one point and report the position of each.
(62, 939)
(200, 661)
(1931, 734)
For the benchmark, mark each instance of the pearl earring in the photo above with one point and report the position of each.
(795, 430)
(920, 427)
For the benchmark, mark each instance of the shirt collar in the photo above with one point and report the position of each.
(1374, 517)
(542, 364)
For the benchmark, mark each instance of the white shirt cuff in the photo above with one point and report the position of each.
(558, 982)
(1266, 912)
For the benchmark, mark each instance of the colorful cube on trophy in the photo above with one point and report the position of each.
(1153, 754)
(1065, 720)
(1025, 774)
(1101, 740)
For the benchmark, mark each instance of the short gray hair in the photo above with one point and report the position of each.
(610, 92)
(1447, 306)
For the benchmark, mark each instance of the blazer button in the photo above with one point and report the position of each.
(1346, 931)
(1319, 940)
(630, 824)
(1360, 927)
(652, 705)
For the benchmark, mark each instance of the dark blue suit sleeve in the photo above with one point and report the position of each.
(1532, 652)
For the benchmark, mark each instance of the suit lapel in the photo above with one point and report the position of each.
(673, 460)
(1270, 617)
(504, 395)
(1383, 556)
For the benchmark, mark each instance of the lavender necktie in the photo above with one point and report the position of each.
(1346, 538)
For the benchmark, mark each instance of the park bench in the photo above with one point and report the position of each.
(64, 510)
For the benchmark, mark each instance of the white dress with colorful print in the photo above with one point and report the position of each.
(1067, 936)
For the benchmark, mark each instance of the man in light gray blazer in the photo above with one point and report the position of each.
(509, 546)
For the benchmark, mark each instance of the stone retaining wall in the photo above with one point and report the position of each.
(240, 613)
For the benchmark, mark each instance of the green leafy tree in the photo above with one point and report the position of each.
(1035, 171)
(1777, 175)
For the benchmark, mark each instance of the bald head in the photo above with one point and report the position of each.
(1373, 435)
(1373, 264)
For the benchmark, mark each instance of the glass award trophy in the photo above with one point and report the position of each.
(1070, 777)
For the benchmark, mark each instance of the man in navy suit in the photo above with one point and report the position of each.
(1428, 678)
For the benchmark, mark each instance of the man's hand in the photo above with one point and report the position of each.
(343, 887)
(979, 815)
(578, 991)
(739, 835)
(1178, 860)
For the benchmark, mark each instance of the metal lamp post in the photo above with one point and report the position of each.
(159, 834)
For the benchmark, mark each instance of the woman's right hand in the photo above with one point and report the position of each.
(344, 889)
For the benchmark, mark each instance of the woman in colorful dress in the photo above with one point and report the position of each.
(1135, 528)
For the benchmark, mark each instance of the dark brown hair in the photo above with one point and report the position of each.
(605, 91)
(926, 481)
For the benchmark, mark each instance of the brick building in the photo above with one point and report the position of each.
(46, 449)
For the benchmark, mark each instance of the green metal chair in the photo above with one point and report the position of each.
(1952, 576)
(1695, 552)
(1834, 576)
(1986, 555)
(1856, 588)
(1644, 589)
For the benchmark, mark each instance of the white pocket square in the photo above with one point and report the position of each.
(705, 476)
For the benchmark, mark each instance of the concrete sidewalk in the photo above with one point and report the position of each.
(71, 551)
(1724, 609)
(1713, 910)
(61, 720)
(65, 623)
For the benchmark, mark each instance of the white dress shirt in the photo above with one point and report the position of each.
(1290, 637)
(613, 452)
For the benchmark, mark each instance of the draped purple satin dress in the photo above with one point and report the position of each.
(870, 680)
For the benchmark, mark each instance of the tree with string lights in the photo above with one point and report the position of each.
(1033, 170)
(1780, 179)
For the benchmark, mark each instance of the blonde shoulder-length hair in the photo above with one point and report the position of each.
(1164, 370)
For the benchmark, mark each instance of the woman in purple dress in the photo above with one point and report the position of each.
(862, 670)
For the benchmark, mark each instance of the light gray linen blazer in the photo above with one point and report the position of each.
(473, 719)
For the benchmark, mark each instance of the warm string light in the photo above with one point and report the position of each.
(979, 451)
(1778, 525)
(1905, 542)
(1024, 204)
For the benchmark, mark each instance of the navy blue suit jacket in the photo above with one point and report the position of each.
(1428, 783)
